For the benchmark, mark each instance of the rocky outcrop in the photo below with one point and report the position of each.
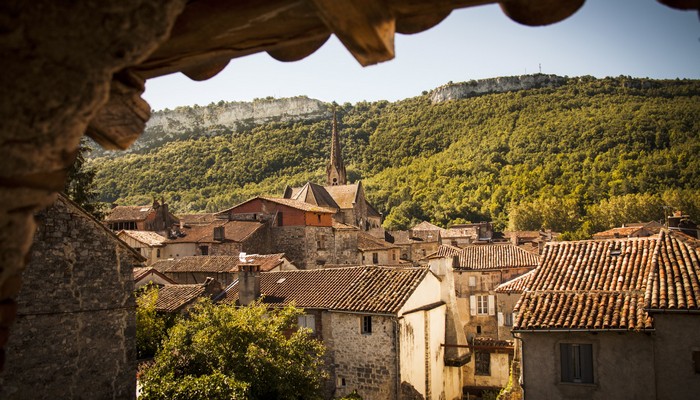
(453, 91)
(222, 117)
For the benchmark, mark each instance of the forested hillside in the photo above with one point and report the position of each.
(578, 158)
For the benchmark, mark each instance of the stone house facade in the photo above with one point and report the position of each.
(305, 233)
(149, 244)
(155, 218)
(376, 251)
(384, 327)
(599, 310)
(75, 332)
(218, 238)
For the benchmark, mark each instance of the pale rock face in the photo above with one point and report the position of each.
(188, 122)
(454, 91)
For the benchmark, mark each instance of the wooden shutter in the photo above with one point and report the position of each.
(492, 305)
(472, 305)
(586, 363)
(500, 318)
(565, 356)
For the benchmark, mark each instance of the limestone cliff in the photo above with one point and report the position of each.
(453, 91)
(221, 118)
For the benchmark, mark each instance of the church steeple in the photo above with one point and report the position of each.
(335, 171)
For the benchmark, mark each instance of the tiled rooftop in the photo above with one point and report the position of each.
(128, 213)
(367, 242)
(489, 256)
(172, 298)
(234, 231)
(146, 237)
(368, 289)
(611, 284)
(516, 285)
(203, 264)
(197, 219)
(300, 205)
(314, 194)
(344, 195)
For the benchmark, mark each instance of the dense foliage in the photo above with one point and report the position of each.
(151, 327)
(80, 183)
(225, 352)
(561, 158)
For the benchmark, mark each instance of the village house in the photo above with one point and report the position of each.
(630, 230)
(179, 298)
(532, 241)
(149, 244)
(155, 218)
(306, 233)
(197, 269)
(612, 319)
(416, 243)
(75, 324)
(348, 200)
(466, 234)
(145, 276)
(477, 270)
(385, 328)
(221, 237)
(376, 251)
(507, 296)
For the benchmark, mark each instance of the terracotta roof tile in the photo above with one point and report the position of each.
(315, 194)
(516, 285)
(163, 265)
(197, 219)
(589, 285)
(489, 256)
(675, 280)
(172, 298)
(368, 289)
(300, 205)
(128, 213)
(367, 242)
(234, 231)
(146, 237)
(204, 264)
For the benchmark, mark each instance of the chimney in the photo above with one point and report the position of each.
(248, 283)
(219, 233)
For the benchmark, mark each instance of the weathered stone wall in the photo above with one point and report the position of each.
(367, 362)
(676, 339)
(258, 242)
(345, 246)
(615, 355)
(290, 240)
(75, 332)
(222, 249)
(453, 91)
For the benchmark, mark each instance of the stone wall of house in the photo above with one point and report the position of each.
(75, 332)
(364, 362)
(345, 246)
(677, 355)
(615, 355)
(222, 249)
(291, 240)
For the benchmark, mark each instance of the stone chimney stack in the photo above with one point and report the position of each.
(248, 283)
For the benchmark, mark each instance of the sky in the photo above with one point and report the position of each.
(638, 38)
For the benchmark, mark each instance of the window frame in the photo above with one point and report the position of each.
(576, 363)
(482, 363)
(366, 325)
(307, 321)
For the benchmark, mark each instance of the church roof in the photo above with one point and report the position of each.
(344, 195)
(314, 194)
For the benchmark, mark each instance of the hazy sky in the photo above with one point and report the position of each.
(640, 38)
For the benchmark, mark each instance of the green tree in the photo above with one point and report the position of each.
(226, 352)
(80, 186)
(151, 328)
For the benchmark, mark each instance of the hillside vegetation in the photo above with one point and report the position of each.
(581, 157)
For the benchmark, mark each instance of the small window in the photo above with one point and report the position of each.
(279, 219)
(321, 241)
(367, 324)
(478, 329)
(319, 217)
(472, 281)
(307, 321)
(157, 253)
(576, 362)
(508, 319)
(340, 382)
(393, 256)
(482, 363)
(375, 258)
(204, 250)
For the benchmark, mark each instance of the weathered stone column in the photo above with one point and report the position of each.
(58, 63)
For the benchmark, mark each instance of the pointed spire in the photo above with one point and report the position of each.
(335, 171)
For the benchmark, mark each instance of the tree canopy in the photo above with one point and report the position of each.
(226, 352)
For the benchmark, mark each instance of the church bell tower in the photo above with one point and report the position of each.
(335, 171)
